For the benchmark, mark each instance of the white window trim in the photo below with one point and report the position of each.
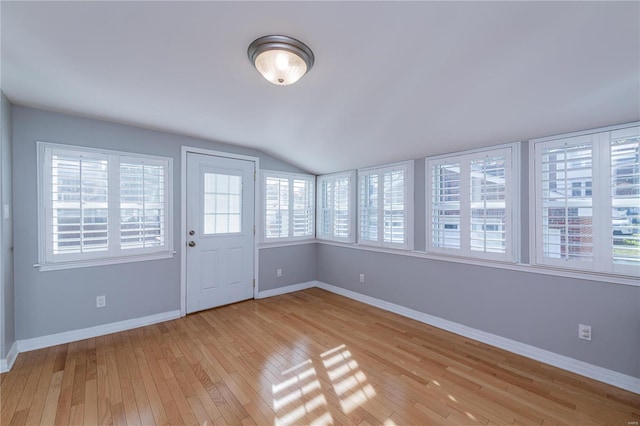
(351, 175)
(290, 176)
(513, 200)
(408, 167)
(114, 255)
(583, 268)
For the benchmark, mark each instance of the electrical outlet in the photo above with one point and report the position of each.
(584, 332)
(101, 301)
(279, 272)
(361, 278)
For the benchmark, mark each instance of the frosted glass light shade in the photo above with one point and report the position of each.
(280, 59)
(280, 67)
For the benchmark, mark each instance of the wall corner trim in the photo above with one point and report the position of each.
(286, 289)
(7, 363)
(582, 368)
(26, 345)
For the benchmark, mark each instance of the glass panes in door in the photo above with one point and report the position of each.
(222, 204)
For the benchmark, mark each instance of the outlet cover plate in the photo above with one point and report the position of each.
(101, 301)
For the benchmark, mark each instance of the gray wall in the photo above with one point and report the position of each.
(57, 301)
(6, 244)
(540, 310)
(298, 264)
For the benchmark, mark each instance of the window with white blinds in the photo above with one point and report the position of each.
(289, 206)
(335, 209)
(142, 204)
(386, 206)
(567, 213)
(445, 205)
(587, 201)
(471, 203)
(101, 205)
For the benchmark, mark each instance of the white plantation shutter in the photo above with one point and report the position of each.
(488, 204)
(385, 205)
(625, 199)
(79, 203)
(445, 206)
(335, 207)
(324, 211)
(567, 214)
(99, 204)
(289, 206)
(587, 201)
(470, 203)
(394, 207)
(343, 207)
(276, 207)
(368, 206)
(142, 201)
(303, 207)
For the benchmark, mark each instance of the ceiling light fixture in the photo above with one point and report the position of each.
(280, 59)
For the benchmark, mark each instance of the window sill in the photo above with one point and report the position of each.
(102, 262)
(521, 267)
(286, 243)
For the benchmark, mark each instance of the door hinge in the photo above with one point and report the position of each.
(255, 175)
(254, 230)
(254, 283)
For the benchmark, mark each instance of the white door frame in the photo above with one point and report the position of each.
(183, 217)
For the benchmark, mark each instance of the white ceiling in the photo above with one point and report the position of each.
(392, 80)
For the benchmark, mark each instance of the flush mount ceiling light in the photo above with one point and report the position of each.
(280, 59)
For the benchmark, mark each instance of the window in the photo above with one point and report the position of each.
(471, 201)
(336, 211)
(99, 206)
(289, 206)
(597, 227)
(385, 206)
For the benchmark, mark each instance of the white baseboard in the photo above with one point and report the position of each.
(286, 289)
(582, 368)
(611, 377)
(7, 363)
(26, 345)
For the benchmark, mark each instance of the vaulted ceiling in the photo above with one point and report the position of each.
(392, 80)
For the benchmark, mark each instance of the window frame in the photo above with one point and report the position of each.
(408, 168)
(115, 253)
(600, 140)
(332, 177)
(264, 174)
(511, 153)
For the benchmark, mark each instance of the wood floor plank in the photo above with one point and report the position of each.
(66, 389)
(309, 357)
(39, 396)
(51, 403)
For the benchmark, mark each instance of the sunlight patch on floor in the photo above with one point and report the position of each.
(349, 382)
(299, 398)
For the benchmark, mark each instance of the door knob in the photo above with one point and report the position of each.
(192, 232)
(192, 243)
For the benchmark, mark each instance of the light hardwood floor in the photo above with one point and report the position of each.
(301, 358)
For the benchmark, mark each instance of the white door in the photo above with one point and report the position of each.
(220, 231)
